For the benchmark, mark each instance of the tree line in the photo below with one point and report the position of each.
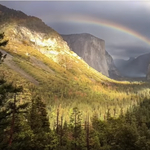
(24, 125)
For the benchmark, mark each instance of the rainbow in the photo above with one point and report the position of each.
(95, 21)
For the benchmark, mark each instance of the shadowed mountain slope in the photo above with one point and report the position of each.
(137, 67)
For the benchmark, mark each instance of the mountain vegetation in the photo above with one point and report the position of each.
(50, 99)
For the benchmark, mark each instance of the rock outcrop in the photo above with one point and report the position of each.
(27, 32)
(112, 70)
(92, 50)
(148, 73)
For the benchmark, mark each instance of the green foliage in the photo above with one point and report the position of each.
(73, 107)
(2, 41)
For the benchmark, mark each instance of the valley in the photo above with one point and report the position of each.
(58, 94)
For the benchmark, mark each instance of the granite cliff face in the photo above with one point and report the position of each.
(148, 73)
(112, 70)
(92, 50)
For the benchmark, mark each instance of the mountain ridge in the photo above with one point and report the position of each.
(64, 79)
(92, 50)
(136, 67)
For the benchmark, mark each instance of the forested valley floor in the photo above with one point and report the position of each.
(70, 109)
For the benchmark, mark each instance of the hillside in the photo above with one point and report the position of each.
(45, 60)
(52, 99)
(92, 50)
(135, 67)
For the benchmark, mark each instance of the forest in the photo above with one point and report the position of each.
(32, 118)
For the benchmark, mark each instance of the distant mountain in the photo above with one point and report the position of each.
(148, 73)
(136, 67)
(92, 50)
(40, 55)
(121, 63)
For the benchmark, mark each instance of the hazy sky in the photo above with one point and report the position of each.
(125, 26)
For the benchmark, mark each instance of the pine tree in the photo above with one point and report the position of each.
(2, 41)
(78, 134)
(10, 109)
(40, 126)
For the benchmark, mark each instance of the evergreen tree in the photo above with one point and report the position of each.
(10, 109)
(39, 123)
(2, 41)
(78, 134)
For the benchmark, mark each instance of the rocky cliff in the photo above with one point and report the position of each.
(112, 70)
(92, 50)
(26, 33)
(148, 73)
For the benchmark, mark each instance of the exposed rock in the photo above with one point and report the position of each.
(92, 50)
(30, 31)
(148, 73)
(121, 64)
(112, 70)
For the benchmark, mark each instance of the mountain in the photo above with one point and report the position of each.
(112, 70)
(136, 67)
(44, 85)
(28, 30)
(92, 50)
(29, 36)
(37, 54)
(40, 61)
(51, 99)
(121, 63)
(148, 73)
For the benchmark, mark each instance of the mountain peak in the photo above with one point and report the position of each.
(82, 35)
(11, 16)
(11, 13)
(28, 32)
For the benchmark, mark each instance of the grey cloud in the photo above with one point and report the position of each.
(133, 15)
(128, 51)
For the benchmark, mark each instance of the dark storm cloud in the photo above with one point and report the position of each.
(133, 15)
(127, 51)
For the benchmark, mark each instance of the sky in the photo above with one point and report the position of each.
(124, 25)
